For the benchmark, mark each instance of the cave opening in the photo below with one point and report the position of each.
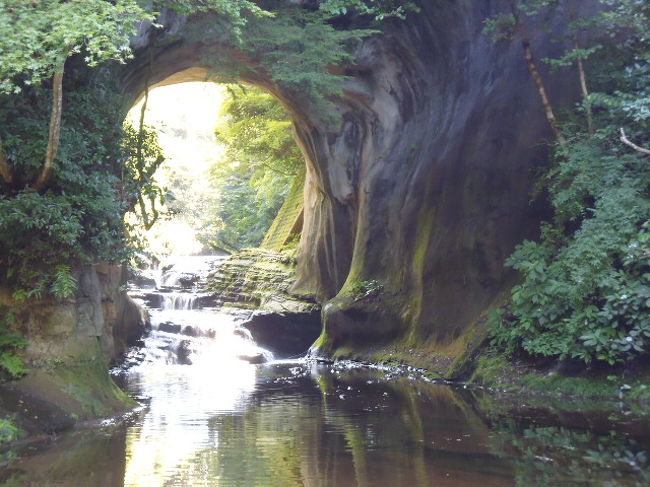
(227, 173)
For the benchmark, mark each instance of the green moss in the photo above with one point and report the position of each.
(425, 223)
(493, 369)
(432, 375)
(365, 289)
(16, 479)
(93, 389)
(283, 228)
(84, 390)
(321, 340)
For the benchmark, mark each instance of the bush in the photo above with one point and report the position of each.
(585, 292)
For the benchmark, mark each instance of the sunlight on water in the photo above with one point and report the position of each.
(176, 428)
(213, 419)
(184, 398)
(192, 370)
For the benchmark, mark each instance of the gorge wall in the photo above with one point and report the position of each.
(422, 188)
(69, 346)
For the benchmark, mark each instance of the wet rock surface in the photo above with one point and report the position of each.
(187, 321)
(256, 279)
(70, 345)
(261, 280)
(285, 334)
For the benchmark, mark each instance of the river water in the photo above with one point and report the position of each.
(212, 418)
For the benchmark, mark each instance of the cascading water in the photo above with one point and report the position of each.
(182, 330)
(183, 301)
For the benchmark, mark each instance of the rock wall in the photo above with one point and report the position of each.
(98, 323)
(429, 186)
(287, 225)
(70, 345)
(424, 185)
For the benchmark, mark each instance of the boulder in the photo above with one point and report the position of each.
(284, 334)
(169, 327)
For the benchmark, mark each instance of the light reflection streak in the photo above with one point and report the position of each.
(183, 399)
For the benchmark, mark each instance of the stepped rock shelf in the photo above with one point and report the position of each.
(261, 279)
(257, 280)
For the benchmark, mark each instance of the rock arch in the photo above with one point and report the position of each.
(423, 186)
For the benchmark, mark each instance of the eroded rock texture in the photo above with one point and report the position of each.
(424, 185)
(69, 345)
(98, 323)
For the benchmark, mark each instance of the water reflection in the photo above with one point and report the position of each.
(214, 419)
(85, 458)
(294, 424)
(313, 426)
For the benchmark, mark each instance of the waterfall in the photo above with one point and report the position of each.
(178, 300)
(185, 333)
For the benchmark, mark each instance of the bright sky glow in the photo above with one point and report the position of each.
(184, 116)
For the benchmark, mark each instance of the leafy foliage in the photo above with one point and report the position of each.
(547, 455)
(586, 284)
(586, 288)
(260, 163)
(36, 38)
(379, 9)
(80, 217)
(366, 289)
(297, 48)
(100, 171)
(142, 156)
(257, 131)
(11, 365)
(103, 170)
(232, 8)
(8, 431)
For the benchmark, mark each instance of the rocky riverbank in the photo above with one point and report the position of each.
(70, 345)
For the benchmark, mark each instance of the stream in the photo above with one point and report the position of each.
(212, 415)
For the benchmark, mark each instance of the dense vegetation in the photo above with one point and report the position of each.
(260, 164)
(69, 170)
(585, 292)
(232, 204)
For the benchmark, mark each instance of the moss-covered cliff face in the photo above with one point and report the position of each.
(69, 346)
(422, 186)
(441, 142)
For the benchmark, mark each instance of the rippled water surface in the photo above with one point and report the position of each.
(294, 424)
(211, 418)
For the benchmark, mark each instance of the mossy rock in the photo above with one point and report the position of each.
(54, 399)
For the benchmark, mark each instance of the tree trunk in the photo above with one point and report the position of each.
(5, 170)
(55, 129)
(585, 92)
(539, 83)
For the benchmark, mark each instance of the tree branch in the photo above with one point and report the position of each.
(582, 75)
(55, 129)
(583, 88)
(539, 83)
(629, 143)
(5, 169)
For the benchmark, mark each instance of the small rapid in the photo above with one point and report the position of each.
(184, 330)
